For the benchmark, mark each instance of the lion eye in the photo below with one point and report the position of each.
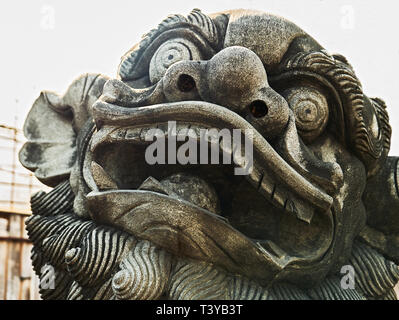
(168, 54)
(310, 107)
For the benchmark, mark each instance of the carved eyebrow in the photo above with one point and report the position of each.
(196, 21)
(352, 129)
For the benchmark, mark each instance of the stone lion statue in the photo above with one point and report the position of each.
(315, 217)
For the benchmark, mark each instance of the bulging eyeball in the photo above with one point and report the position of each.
(311, 111)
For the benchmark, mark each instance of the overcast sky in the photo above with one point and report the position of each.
(46, 44)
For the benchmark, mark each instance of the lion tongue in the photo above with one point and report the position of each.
(185, 229)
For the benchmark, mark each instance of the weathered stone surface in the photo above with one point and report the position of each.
(320, 193)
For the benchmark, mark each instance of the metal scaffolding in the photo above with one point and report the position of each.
(17, 184)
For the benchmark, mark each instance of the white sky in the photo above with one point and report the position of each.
(46, 44)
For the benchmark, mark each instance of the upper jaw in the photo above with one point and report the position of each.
(187, 230)
(269, 171)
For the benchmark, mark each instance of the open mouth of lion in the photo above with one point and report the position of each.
(256, 225)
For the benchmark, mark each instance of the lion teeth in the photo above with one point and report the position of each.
(274, 248)
(99, 137)
(152, 184)
(301, 211)
(133, 134)
(264, 182)
(102, 178)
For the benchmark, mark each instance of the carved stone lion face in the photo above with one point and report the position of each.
(317, 141)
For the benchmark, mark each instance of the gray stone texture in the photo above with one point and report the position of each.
(322, 194)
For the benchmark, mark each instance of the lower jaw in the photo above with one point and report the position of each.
(275, 242)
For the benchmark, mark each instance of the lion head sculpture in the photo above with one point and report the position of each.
(321, 194)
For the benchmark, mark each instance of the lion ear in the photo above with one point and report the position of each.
(52, 126)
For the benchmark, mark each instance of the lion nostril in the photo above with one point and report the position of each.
(258, 108)
(186, 83)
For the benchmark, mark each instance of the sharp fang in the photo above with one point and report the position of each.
(152, 184)
(301, 211)
(278, 252)
(282, 261)
(100, 137)
(102, 178)
(271, 191)
(278, 197)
